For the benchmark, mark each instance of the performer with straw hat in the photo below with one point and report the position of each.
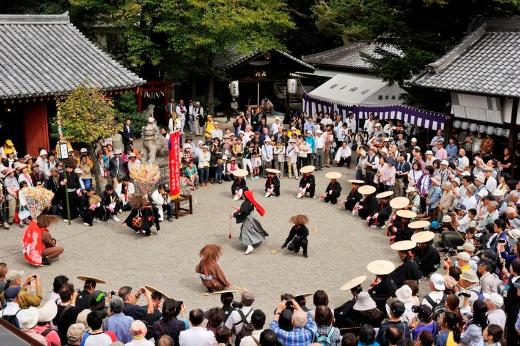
(272, 183)
(409, 269)
(343, 314)
(239, 184)
(382, 214)
(426, 255)
(383, 287)
(399, 230)
(353, 196)
(251, 231)
(307, 182)
(368, 204)
(333, 190)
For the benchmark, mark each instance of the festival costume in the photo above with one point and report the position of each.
(35, 240)
(369, 205)
(91, 208)
(381, 289)
(238, 184)
(308, 179)
(251, 231)
(297, 238)
(212, 276)
(408, 270)
(353, 197)
(381, 215)
(148, 215)
(427, 259)
(273, 182)
(332, 192)
(73, 185)
(111, 204)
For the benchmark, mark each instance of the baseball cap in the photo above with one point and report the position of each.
(438, 281)
(470, 276)
(11, 293)
(467, 246)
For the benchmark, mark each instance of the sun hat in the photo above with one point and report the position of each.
(307, 169)
(43, 152)
(467, 246)
(418, 224)
(385, 194)
(464, 256)
(91, 278)
(153, 289)
(8, 170)
(413, 140)
(406, 214)
(333, 175)
(367, 190)
(449, 282)
(117, 152)
(75, 333)
(469, 276)
(240, 173)
(514, 234)
(27, 318)
(364, 302)
(399, 202)
(13, 274)
(495, 298)
(272, 170)
(83, 150)
(435, 180)
(362, 152)
(403, 245)
(82, 318)
(353, 283)
(499, 193)
(446, 218)
(47, 312)
(356, 181)
(438, 281)
(428, 152)
(138, 330)
(445, 162)
(423, 237)
(404, 294)
(481, 178)
(380, 267)
(411, 189)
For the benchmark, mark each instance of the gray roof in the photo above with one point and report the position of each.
(483, 63)
(349, 57)
(44, 55)
(231, 59)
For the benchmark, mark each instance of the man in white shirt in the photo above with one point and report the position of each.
(369, 124)
(491, 182)
(196, 335)
(181, 111)
(436, 295)
(495, 314)
(463, 159)
(343, 155)
(326, 120)
(319, 141)
(276, 126)
(351, 123)
(235, 321)
(217, 132)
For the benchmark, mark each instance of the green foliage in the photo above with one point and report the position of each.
(87, 115)
(126, 108)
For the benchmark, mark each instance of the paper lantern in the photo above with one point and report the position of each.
(506, 133)
(490, 130)
(499, 131)
(464, 125)
(292, 86)
(456, 124)
(482, 128)
(233, 88)
(473, 127)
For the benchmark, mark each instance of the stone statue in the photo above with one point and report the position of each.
(154, 144)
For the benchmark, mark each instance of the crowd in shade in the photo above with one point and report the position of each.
(448, 205)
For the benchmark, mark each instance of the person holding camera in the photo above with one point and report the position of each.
(130, 299)
(304, 328)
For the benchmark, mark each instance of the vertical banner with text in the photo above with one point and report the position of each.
(174, 164)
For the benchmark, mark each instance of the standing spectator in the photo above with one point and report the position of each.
(196, 335)
(117, 168)
(117, 322)
(86, 165)
(128, 135)
(303, 326)
(96, 336)
(67, 311)
(181, 111)
(169, 324)
(204, 161)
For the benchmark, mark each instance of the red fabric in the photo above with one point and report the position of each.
(33, 244)
(175, 165)
(251, 198)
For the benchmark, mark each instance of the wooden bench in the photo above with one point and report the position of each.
(179, 210)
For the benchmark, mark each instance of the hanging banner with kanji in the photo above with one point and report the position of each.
(174, 164)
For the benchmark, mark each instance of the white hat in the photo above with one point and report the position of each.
(319, 131)
(272, 170)
(399, 202)
(437, 281)
(13, 274)
(467, 246)
(333, 175)
(83, 150)
(356, 181)
(364, 302)
(446, 218)
(407, 214)
(480, 178)
(483, 193)
(367, 190)
(403, 245)
(514, 234)
(496, 299)
(464, 256)
(240, 173)
(385, 194)
(499, 193)
(78, 170)
(413, 140)
(117, 152)
(47, 312)
(445, 162)
(267, 140)
(418, 224)
(428, 152)
(411, 189)
(423, 237)
(404, 294)
(353, 283)
(151, 119)
(381, 267)
(307, 169)
(469, 276)
(43, 152)
(27, 318)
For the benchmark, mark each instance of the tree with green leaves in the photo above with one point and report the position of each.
(86, 115)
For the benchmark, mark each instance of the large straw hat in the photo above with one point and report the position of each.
(353, 283)
(356, 181)
(366, 190)
(423, 237)
(381, 267)
(399, 202)
(418, 224)
(240, 173)
(307, 169)
(385, 194)
(407, 214)
(153, 289)
(333, 175)
(403, 245)
(91, 278)
(272, 170)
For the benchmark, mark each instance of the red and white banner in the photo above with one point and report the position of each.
(174, 164)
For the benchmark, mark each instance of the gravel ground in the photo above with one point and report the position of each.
(340, 246)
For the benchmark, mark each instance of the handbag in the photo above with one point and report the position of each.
(137, 221)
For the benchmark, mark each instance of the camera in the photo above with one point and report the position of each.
(464, 294)
(112, 293)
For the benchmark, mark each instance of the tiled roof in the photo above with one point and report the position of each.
(230, 60)
(489, 64)
(348, 57)
(44, 55)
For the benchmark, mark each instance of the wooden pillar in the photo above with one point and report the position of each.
(36, 128)
(139, 99)
(513, 138)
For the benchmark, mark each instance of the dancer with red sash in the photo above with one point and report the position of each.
(251, 231)
(39, 247)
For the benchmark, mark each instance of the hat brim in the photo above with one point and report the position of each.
(403, 245)
(419, 224)
(307, 169)
(91, 278)
(240, 173)
(353, 283)
(355, 181)
(367, 190)
(385, 194)
(407, 214)
(273, 171)
(380, 267)
(333, 175)
(153, 289)
(423, 237)
(399, 202)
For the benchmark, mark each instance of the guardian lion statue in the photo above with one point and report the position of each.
(154, 144)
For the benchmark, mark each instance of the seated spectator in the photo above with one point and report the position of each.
(46, 314)
(28, 319)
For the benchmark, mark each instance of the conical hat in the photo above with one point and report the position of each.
(272, 170)
(333, 175)
(307, 169)
(153, 289)
(403, 245)
(418, 224)
(407, 214)
(385, 194)
(423, 237)
(355, 181)
(380, 267)
(399, 202)
(240, 173)
(353, 283)
(366, 190)
(92, 278)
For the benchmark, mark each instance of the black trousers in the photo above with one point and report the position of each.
(342, 161)
(298, 243)
(331, 198)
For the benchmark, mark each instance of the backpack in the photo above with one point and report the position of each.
(324, 339)
(437, 308)
(12, 319)
(247, 327)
